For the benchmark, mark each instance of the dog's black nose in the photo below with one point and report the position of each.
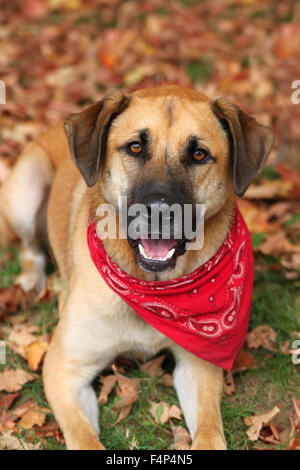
(159, 203)
(163, 216)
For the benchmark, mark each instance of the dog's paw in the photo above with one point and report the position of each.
(32, 281)
(215, 441)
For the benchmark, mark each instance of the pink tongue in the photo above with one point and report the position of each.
(157, 248)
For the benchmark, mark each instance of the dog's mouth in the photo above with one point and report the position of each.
(157, 255)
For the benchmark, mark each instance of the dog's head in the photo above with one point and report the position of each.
(165, 146)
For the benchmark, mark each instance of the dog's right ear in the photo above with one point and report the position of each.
(87, 133)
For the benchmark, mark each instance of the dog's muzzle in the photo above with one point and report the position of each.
(155, 230)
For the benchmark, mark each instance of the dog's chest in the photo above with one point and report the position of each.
(134, 334)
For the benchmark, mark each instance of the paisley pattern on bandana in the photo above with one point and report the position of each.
(206, 311)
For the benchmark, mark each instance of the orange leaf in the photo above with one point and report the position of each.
(35, 352)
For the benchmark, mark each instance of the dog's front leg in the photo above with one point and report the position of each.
(199, 386)
(68, 371)
(72, 399)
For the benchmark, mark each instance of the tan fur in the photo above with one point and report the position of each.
(95, 324)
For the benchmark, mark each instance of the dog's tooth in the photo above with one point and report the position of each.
(170, 254)
(142, 251)
(165, 258)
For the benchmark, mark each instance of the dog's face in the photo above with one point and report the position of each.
(166, 146)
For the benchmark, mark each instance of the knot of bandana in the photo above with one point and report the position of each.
(207, 311)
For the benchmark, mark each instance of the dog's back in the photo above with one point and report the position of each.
(23, 201)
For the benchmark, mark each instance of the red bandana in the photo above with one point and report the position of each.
(206, 311)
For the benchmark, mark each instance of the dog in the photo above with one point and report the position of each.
(166, 144)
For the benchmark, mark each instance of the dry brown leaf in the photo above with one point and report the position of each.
(7, 421)
(243, 361)
(21, 409)
(262, 336)
(13, 298)
(50, 430)
(10, 442)
(52, 289)
(274, 244)
(182, 438)
(160, 412)
(175, 412)
(168, 380)
(297, 410)
(257, 422)
(128, 394)
(34, 416)
(289, 435)
(21, 336)
(285, 347)
(7, 401)
(123, 413)
(35, 352)
(108, 384)
(153, 367)
(163, 412)
(291, 261)
(13, 380)
(270, 189)
(292, 275)
(256, 218)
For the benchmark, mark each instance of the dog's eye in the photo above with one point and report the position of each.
(135, 148)
(200, 156)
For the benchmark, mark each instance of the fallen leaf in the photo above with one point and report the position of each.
(21, 409)
(35, 352)
(297, 410)
(12, 298)
(21, 336)
(163, 412)
(175, 412)
(257, 422)
(7, 400)
(277, 189)
(7, 421)
(153, 367)
(182, 438)
(128, 393)
(255, 217)
(34, 416)
(262, 336)
(292, 275)
(108, 384)
(10, 442)
(291, 261)
(13, 380)
(243, 361)
(50, 430)
(285, 347)
(168, 380)
(53, 288)
(275, 244)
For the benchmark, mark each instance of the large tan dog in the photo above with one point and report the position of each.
(153, 144)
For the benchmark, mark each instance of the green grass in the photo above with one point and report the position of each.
(199, 71)
(274, 380)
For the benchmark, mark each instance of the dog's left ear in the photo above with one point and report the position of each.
(251, 143)
(87, 133)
